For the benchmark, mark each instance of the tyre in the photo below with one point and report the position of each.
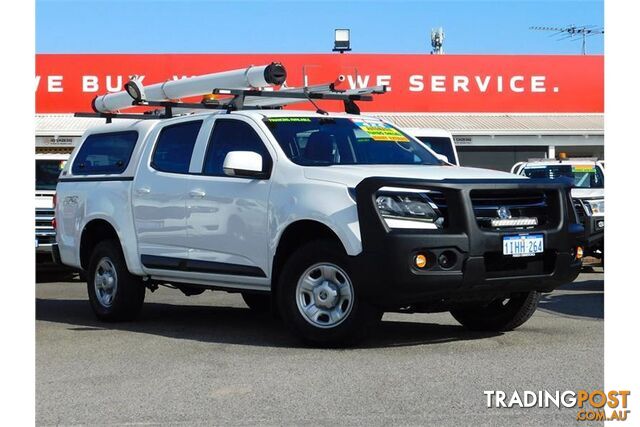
(499, 315)
(82, 276)
(318, 298)
(258, 302)
(114, 293)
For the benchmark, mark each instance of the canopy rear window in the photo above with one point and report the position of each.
(105, 153)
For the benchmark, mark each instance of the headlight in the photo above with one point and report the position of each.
(408, 210)
(596, 207)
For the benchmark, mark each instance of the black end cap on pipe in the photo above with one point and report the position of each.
(93, 104)
(275, 73)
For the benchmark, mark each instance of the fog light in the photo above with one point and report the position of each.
(420, 261)
(447, 259)
(579, 252)
(600, 224)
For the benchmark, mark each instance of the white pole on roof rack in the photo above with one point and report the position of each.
(250, 77)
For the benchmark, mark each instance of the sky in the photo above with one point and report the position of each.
(306, 26)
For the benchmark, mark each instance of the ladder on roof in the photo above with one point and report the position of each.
(164, 95)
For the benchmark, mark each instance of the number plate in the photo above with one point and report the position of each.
(523, 245)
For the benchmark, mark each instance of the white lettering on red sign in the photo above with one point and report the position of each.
(54, 84)
(457, 83)
(416, 83)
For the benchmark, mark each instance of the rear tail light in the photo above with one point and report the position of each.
(53, 223)
(55, 200)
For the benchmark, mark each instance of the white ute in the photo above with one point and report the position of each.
(586, 176)
(328, 219)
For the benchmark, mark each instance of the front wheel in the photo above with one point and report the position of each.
(318, 298)
(114, 293)
(503, 314)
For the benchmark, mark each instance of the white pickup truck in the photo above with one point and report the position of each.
(327, 219)
(586, 176)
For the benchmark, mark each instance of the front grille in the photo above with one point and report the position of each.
(45, 233)
(48, 239)
(580, 211)
(520, 204)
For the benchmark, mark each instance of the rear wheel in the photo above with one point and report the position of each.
(502, 314)
(318, 298)
(114, 293)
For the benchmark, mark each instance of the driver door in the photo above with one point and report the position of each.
(227, 216)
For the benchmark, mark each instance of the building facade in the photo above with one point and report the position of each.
(500, 109)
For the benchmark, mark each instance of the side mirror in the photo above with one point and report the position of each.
(243, 164)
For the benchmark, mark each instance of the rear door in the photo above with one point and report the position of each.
(160, 194)
(227, 216)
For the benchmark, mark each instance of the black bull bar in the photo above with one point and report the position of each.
(385, 263)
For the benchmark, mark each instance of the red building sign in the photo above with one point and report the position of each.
(418, 83)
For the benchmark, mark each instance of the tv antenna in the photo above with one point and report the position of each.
(437, 40)
(574, 32)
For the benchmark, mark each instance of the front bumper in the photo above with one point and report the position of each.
(48, 253)
(479, 270)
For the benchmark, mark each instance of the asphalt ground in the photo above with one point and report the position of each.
(207, 359)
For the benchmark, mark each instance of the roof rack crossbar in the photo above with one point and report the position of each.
(110, 116)
(303, 93)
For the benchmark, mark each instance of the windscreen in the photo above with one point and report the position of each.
(47, 173)
(583, 176)
(441, 145)
(316, 141)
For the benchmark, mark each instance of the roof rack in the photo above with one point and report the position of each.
(166, 95)
(247, 99)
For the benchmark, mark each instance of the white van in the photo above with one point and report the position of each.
(439, 140)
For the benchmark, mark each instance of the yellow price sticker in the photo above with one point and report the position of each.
(583, 169)
(379, 131)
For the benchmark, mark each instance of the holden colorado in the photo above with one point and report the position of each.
(327, 219)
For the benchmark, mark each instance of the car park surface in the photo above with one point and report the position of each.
(209, 359)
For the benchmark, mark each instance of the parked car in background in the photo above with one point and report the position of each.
(48, 168)
(587, 178)
(439, 140)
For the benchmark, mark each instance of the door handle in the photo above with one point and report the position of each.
(143, 190)
(197, 194)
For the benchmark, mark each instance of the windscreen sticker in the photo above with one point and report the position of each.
(289, 119)
(583, 169)
(379, 131)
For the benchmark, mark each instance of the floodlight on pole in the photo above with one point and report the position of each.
(342, 40)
